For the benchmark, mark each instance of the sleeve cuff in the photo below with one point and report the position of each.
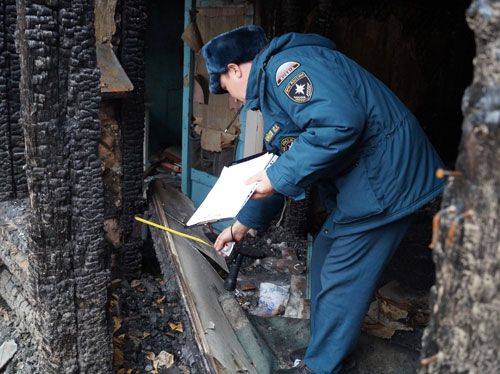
(257, 214)
(282, 186)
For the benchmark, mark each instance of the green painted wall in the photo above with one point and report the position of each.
(164, 53)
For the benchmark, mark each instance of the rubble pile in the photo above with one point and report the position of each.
(148, 326)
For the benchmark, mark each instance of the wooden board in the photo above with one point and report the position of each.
(181, 207)
(201, 288)
(113, 78)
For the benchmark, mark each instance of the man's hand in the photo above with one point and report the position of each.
(239, 232)
(264, 186)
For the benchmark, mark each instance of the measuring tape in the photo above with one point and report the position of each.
(175, 232)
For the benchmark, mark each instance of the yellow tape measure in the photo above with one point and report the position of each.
(175, 232)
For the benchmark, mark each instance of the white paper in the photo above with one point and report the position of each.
(230, 193)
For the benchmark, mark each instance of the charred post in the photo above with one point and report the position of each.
(463, 334)
(12, 175)
(67, 273)
(133, 24)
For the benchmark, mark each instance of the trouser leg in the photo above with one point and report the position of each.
(350, 271)
(321, 248)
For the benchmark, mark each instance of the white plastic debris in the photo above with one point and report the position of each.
(228, 248)
(272, 300)
(7, 350)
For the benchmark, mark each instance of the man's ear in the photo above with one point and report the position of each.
(234, 69)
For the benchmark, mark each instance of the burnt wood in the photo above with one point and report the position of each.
(463, 334)
(68, 268)
(131, 55)
(12, 175)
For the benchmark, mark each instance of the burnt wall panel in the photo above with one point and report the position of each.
(133, 24)
(68, 274)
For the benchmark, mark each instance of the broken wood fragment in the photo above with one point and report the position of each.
(201, 287)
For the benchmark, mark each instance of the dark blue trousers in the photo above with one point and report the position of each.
(344, 274)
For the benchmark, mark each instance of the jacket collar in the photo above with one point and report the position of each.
(256, 79)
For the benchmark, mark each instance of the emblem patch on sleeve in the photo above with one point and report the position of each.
(286, 143)
(285, 70)
(300, 88)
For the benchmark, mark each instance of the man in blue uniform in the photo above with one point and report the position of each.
(337, 126)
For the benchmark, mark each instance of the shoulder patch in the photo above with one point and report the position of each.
(300, 88)
(285, 70)
(270, 134)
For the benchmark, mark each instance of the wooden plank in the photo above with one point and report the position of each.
(114, 80)
(201, 289)
(182, 208)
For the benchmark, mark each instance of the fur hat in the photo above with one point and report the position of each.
(232, 47)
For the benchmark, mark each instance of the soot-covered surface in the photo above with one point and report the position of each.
(131, 54)
(149, 318)
(12, 160)
(68, 268)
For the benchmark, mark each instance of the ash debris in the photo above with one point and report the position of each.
(151, 332)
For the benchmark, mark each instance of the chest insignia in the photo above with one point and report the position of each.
(300, 88)
(286, 143)
(285, 70)
(270, 134)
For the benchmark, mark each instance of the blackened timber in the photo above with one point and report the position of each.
(131, 55)
(67, 265)
(463, 333)
(6, 186)
(90, 260)
(18, 160)
(12, 174)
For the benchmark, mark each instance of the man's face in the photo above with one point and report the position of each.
(235, 80)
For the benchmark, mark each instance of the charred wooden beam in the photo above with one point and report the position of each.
(68, 268)
(133, 24)
(463, 334)
(6, 182)
(16, 130)
(12, 175)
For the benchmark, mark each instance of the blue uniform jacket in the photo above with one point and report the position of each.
(336, 125)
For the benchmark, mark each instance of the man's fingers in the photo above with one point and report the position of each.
(218, 245)
(255, 178)
(257, 195)
(251, 180)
